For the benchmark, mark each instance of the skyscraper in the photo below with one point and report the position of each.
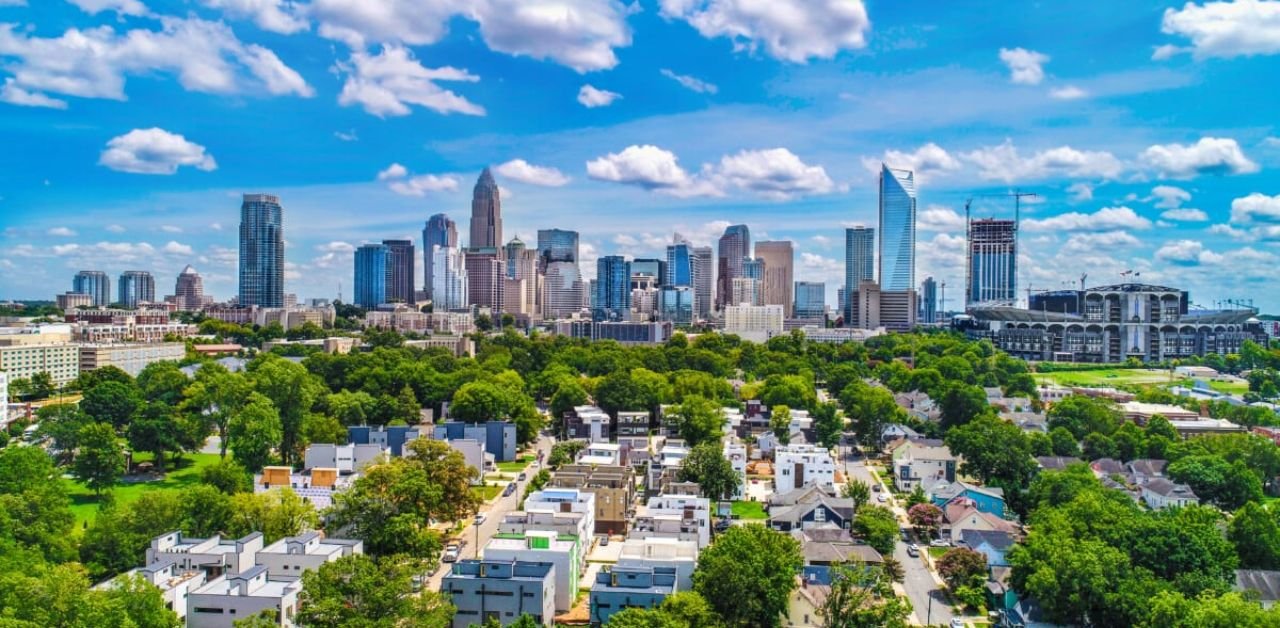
(136, 286)
(613, 289)
(400, 271)
(992, 266)
(188, 291)
(556, 245)
(522, 287)
(439, 231)
(679, 269)
(485, 277)
(703, 280)
(94, 283)
(448, 278)
(734, 247)
(779, 269)
(753, 268)
(811, 299)
(371, 275)
(929, 301)
(261, 251)
(897, 229)
(655, 268)
(486, 213)
(859, 262)
(563, 290)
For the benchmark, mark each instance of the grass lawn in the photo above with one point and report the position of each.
(1107, 377)
(515, 466)
(84, 504)
(749, 510)
(487, 492)
(937, 552)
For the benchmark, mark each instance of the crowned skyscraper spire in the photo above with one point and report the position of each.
(486, 213)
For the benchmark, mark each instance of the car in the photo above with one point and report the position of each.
(913, 550)
(956, 622)
(875, 487)
(940, 543)
(523, 476)
(480, 517)
(451, 553)
(722, 525)
(511, 488)
(604, 540)
(906, 534)
(882, 498)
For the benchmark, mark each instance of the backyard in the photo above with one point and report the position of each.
(84, 503)
(749, 510)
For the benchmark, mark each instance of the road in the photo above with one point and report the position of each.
(924, 589)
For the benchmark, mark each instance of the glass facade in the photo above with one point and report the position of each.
(556, 245)
(993, 262)
(612, 289)
(679, 271)
(486, 213)
(261, 251)
(811, 299)
(897, 229)
(655, 268)
(439, 231)
(859, 261)
(400, 271)
(371, 275)
(448, 278)
(136, 286)
(929, 301)
(94, 283)
(753, 268)
(734, 247)
(675, 304)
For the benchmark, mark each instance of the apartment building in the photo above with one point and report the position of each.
(681, 517)
(797, 466)
(565, 551)
(613, 486)
(130, 358)
(502, 590)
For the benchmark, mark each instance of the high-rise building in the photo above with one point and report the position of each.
(675, 304)
(811, 299)
(400, 271)
(94, 283)
(928, 301)
(613, 289)
(859, 262)
(486, 213)
(485, 277)
(522, 289)
(655, 268)
(679, 267)
(897, 229)
(734, 246)
(703, 280)
(563, 290)
(371, 275)
(136, 286)
(188, 291)
(556, 245)
(753, 268)
(992, 268)
(745, 291)
(864, 306)
(779, 268)
(898, 310)
(644, 296)
(448, 278)
(261, 251)
(439, 231)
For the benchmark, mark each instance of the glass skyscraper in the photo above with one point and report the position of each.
(439, 231)
(753, 268)
(734, 247)
(679, 271)
(261, 251)
(136, 286)
(859, 262)
(94, 283)
(897, 229)
(929, 301)
(655, 268)
(400, 267)
(449, 290)
(613, 289)
(811, 299)
(556, 245)
(992, 262)
(371, 275)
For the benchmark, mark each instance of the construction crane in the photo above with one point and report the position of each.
(1017, 195)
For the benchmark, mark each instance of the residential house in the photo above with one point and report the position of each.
(895, 432)
(796, 466)
(808, 597)
(565, 551)
(315, 485)
(563, 501)
(519, 522)
(391, 438)
(1266, 584)
(1160, 493)
(924, 463)
(497, 437)
(601, 454)
(288, 557)
(989, 499)
(961, 514)
(681, 556)
(994, 544)
(736, 452)
(175, 582)
(808, 507)
(214, 556)
(618, 588)
(1056, 463)
(589, 423)
(1144, 470)
(684, 517)
(829, 545)
(633, 423)
(222, 601)
(614, 487)
(347, 459)
(502, 590)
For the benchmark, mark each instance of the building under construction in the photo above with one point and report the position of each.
(991, 269)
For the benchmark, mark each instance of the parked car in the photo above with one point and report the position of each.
(511, 488)
(523, 476)
(906, 534)
(480, 517)
(723, 524)
(875, 487)
(913, 550)
(940, 543)
(451, 553)
(604, 540)
(956, 622)
(882, 498)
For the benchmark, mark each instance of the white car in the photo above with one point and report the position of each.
(956, 622)
(882, 498)
(480, 517)
(451, 553)
(940, 543)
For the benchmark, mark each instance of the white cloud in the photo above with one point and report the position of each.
(346, 136)
(154, 151)
(205, 56)
(1004, 163)
(1256, 206)
(403, 184)
(590, 97)
(1271, 142)
(1105, 219)
(789, 30)
(525, 172)
(691, 83)
(939, 218)
(171, 228)
(15, 95)
(1080, 192)
(821, 240)
(1167, 51)
(775, 173)
(121, 7)
(1185, 214)
(115, 228)
(1068, 92)
(394, 171)
(386, 84)
(61, 232)
(175, 248)
(652, 168)
(1093, 242)
(1231, 232)
(337, 246)
(1226, 29)
(1187, 253)
(925, 160)
(216, 226)
(1210, 155)
(1170, 196)
(580, 34)
(277, 16)
(1025, 66)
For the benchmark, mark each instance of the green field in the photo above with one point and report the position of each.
(84, 504)
(487, 492)
(515, 466)
(1133, 378)
(749, 510)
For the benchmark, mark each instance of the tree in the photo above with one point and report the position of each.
(62, 423)
(1209, 610)
(925, 517)
(477, 402)
(1064, 442)
(228, 476)
(35, 511)
(568, 395)
(154, 430)
(1256, 535)
(917, 496)
(748, 575)
(42, 386)
(829, 424)
(1082, 415)
(793, 391)
(163, 382)
(698, 420)
(961, 566)
(685, 609)
(293, 391)
(215, 396)
(564, 452)
(961, 403)
(862, 596)
(100, 460)
(994, 450)
(276, 514)
(359, 590)
(869, 410)
(858, 491)
(1160, 426)
(878, 526)
(1227, 485)
(1072, 578)
(141, 602)
(208, 510)
(1098, 445)
(254, 432)
(780, 423)
(350, 408)
(112, 402)
(707, 466)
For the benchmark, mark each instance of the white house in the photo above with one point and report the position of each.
(289, 557)
(566, 500)
(736, 451)
(662, 552)
(922, 463)
(683, 517)
(562, 550)
(796, 466)
(1160, 493)
(222, 601)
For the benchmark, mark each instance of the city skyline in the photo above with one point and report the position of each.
(767, 133)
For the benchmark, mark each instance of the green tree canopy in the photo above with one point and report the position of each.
(748, 575)
(707, 466)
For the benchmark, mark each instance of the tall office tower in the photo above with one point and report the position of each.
(929, 301)
(485, 275)
(865, 306)
(859, 262)
(898, 309)
(703, 280)
(897, 229)
(522, 289)
(136, 286)
(679, 267)
(779, 263)
(992, 268)
(94, 283)
(400, 271)
(439, 231)
(371, 275)
(644, 296)
(613, 289)
(556, 245)
(811, 299)
(448, 278)
(655, 268)
(261, 251)
(745, 291)
(753, 268)
(563, 290)
(734, 247)
(486, 213)
(188, 291)
(675, 304)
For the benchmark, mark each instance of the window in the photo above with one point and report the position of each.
(207, 610)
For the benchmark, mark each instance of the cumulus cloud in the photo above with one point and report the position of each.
(1068, 92)
(115, 228)
(1185, 214)
(1231, 232)
(154, 151)
(399, 181)
(1080, 192)
(1169, 196)
(939, 218)
(775, 173)
(525, 172)
(590, 97)
(61, 232)
(171, 228)
(94, 63)
(691, 83)
(175, 248)
(789, 30)
(386, 84)
(1210, 155)
(1092, 242)
(15, 95)
(1187, 253)
(121, 7)
(346, 136)
(1025, 66)
(1224, 29)
(652, 168)
(1256, 206)
(1005, 163)
(277, 16)
(923, 161)
(1105, 219)
(394, 171)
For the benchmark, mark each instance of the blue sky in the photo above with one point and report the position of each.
(131, 127)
